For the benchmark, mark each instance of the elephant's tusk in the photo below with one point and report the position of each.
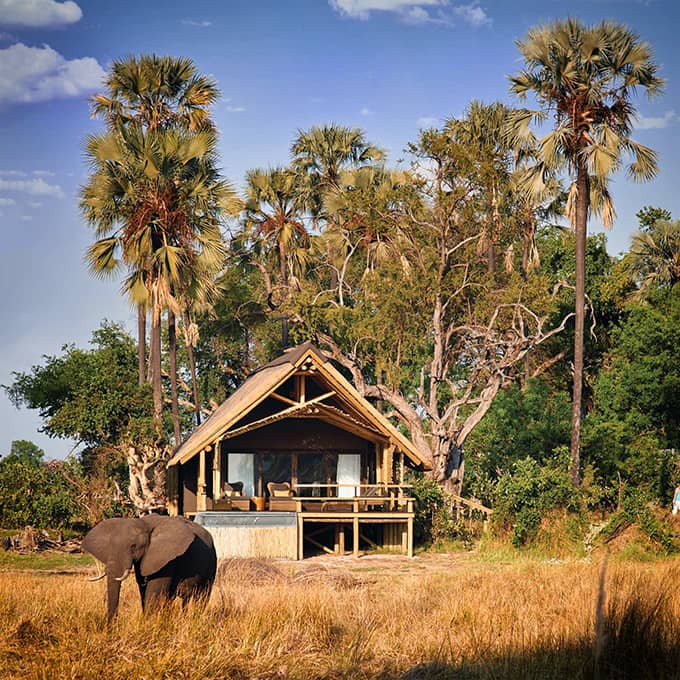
(126, 573)
(97, 578)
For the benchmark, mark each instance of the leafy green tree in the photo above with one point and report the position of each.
(26, 453)
(636, 402)
(523, 422)
(93, 396)
(273, 226)
(154, 92)
(649, 215)
(427, 330)
(33, 492)
(585, 77)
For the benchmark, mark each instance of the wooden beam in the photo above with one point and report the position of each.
(319, 545)
(285, 400)
(217, 471)
(201, 496)
(355, 537)
(275, 417)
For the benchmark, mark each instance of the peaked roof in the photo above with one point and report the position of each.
(260, 385)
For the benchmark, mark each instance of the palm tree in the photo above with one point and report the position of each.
(585, 77)
(654, 256)
(275, 204)
(154, 199)
(156, 92)
(322, 153)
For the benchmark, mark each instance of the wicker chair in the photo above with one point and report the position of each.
(281, 497)
(230, 489)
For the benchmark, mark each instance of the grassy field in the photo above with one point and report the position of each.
(437, 616)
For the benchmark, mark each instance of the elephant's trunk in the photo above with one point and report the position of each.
(112, 597)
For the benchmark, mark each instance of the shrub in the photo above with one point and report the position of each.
(38, 495)
(637, 509)
(529, 492)
(435, 520)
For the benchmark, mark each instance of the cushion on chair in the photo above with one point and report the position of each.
(279, 489)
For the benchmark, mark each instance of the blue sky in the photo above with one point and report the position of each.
(388, 66)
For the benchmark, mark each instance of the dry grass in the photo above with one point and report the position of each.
(356, 619)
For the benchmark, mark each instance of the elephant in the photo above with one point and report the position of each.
(171, 557)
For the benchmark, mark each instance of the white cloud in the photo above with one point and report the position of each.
(472, 14)
(656, 123)
(416, 15)
(361, 9)
(4, 202)
(415, 11)
(197, 24)
(366, 111)
(36, 74)
(43, 173)
(427, 122)
(235, 109)
(26, 218)
(34, 187)
(38, 13)
(12, 173)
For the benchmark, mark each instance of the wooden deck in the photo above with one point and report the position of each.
(315, 516)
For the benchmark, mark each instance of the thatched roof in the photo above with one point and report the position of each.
(340, 404)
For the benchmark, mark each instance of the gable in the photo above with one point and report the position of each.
(301, 384)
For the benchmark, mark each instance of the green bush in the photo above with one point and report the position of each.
(529, 492)
(34, 492)
(435, 522)
(637, 508)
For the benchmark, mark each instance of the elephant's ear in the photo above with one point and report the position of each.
(170, 538)
(101, 541)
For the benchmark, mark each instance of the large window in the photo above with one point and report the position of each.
(241, 468)
(275, 468)
(349, 472)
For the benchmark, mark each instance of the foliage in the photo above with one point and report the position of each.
(91, 396)
(435, 520)
(34, 492)
(524, 422)
(529, 491)
(636, 400)
(637, 507)
(649, 215)
(584, 77)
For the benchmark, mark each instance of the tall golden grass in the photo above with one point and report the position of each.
(356, 619)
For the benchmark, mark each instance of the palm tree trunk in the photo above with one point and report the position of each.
(141, 343)
(192, 368)
(581, 228)
(155, 361)
(172, 351)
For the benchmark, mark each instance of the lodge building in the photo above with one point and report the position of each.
(296, 461)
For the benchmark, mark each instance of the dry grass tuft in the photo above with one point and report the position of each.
(249, 570)
(472, 621)
(323, 574)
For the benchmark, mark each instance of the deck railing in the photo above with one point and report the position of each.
(354, 497)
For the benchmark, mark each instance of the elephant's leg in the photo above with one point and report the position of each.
(157, 591)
